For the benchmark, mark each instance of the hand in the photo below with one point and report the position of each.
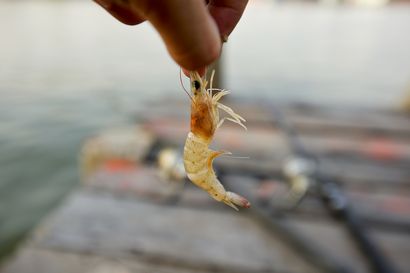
(191, 29)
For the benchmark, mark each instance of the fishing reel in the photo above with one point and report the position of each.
(298, 172)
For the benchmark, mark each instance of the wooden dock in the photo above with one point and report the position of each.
(128, 218)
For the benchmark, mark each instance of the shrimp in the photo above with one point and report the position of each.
(198, 157)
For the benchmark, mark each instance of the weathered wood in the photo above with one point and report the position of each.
(143, 182)
(268, 149)
(387, 209)
(36, 260)
(111, 229)
(179, 237)
(128, 218)
(107, 229)
(267, 138)
(386, 240)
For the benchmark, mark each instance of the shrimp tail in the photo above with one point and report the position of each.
(232, 199)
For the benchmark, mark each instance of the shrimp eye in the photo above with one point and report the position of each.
(197, 85)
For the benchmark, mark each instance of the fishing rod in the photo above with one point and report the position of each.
(304, 167)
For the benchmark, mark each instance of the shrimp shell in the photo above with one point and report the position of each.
(198, 157)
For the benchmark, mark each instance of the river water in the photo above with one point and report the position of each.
(68, 70)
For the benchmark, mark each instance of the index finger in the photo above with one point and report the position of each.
(188, 30)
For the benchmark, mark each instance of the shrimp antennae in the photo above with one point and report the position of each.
(212, 79)
(236, 157)
(229, 154)
(182, 84)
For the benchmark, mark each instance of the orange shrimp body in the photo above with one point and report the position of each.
(198, 157)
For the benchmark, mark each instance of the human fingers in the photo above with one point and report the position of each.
(121, 10)
(188, 30)
(226, 14)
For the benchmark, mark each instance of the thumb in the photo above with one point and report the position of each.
(188, 30)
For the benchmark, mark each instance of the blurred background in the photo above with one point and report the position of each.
(68, 71)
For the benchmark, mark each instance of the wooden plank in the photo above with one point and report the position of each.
(106, 226)
(36, 260)
(389, 208)
(142, 181)
(267, 141)
(113, 230)
(379, 210)
(331, 236)
(396, 246)
(123, 229)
